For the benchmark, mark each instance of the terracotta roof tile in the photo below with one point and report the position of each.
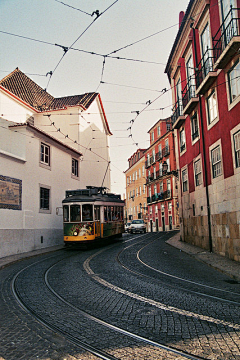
(28, 91)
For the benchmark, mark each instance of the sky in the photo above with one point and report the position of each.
(138, 34)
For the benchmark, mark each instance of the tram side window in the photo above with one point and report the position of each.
(66, 213)
(109, 213)
(105, 214)
(121, 212)
(115, 213)
(87, 212)
(97, 212)
(75, 213)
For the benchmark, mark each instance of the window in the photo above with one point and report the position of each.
(206, 50)
(236, 138)
(139, 173)
(75, 167)
(166, 147)
(153, 155)
(198, 172)
(75, 213)
(185, 180)
(158, 130)
(161, 186)
(216, 162)
(190, 77)
(152, 136)
(194, 125)
(143, 170)
(182, 140)
(45, 154)
(140, 191)
(212, 107)
(44, 198)
(234, 81)
(168, 126)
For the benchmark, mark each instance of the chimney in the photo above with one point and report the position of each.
(181, 16)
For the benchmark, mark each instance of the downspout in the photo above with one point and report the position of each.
(204, 152)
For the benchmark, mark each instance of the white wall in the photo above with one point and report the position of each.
(28, 229)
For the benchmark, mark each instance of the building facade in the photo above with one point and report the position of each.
(36, 169)
(161, 178)
(136, 196)
(78, 121)
(47, 146)
(204, 72)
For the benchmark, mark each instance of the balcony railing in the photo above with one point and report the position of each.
(205, 66)
(147, 163)
(163, 195)
(227, 31)
(189, 92)
(166, 151)
(177, 111)
(159, 156)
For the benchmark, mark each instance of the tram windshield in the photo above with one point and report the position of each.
(75, 213)
(87, 212)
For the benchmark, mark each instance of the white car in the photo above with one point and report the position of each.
(127, 225)
(137, 226)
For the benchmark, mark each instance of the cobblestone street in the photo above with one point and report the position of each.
(136, 299)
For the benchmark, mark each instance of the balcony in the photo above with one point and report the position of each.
(152, 159)
(163, 195)
(159, 156)
(205, 74)
(190, 99)
(147, 164)
(226, 42)
(178, 118)
(166, 151)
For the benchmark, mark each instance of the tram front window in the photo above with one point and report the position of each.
(87, 212)
(66, 213)
(75, 213)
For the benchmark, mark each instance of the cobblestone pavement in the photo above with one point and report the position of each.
(126, 285)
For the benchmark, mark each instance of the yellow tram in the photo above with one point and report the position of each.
(91, 214)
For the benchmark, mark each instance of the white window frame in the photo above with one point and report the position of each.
(41, 209)
(182, 130)
(211, 121)
(198, 173)
(194, 114)
(236, 78)
(43, 162)
(233, 132)
(212, 148)
(184, 177)
(75, 168)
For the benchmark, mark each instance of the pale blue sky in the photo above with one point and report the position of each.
(124, 23)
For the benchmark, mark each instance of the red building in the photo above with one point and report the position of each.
(204, 72)
(161, 178)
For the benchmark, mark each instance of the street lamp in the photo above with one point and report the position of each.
(165, 166)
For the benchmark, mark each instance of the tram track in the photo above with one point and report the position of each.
(180, 279)
(74, 339)
(138, 340)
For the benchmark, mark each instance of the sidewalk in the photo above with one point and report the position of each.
(7, 260)
(218, 262)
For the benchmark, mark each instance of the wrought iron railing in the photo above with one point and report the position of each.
(159, 156)
(177, 111)
(163, 195)
(189, 91)
(205, 66)
(228, 29)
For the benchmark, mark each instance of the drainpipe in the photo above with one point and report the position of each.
(204, 152)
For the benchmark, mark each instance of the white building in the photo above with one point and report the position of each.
(33, 180)
(47, 145)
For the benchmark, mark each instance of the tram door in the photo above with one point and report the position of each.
(97, 221)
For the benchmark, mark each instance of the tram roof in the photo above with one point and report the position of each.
(91, 194)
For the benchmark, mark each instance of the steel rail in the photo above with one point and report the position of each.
(118, 329)
(47, 324)
(178, 278)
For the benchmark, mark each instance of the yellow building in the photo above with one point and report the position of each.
(136, 194)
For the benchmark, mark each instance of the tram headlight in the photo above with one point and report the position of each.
(75, 233)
